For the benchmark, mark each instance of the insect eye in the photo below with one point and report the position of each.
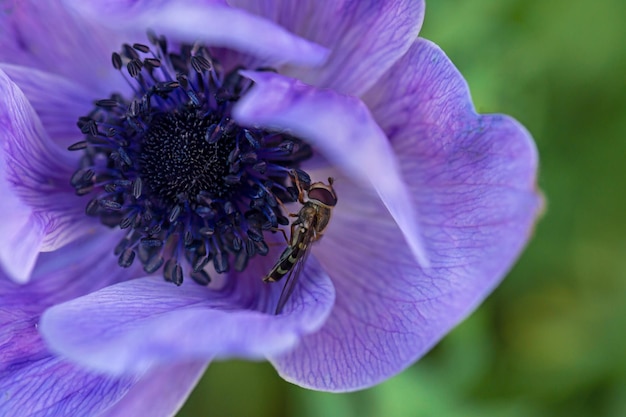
(324, 196)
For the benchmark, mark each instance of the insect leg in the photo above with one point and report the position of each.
(295, 178)
(277, 229)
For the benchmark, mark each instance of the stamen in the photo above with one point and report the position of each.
(172, 168)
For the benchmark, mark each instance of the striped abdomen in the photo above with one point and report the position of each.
(287, 261)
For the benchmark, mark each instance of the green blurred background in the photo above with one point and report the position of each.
(551, 340)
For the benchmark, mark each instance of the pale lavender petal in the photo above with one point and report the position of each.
(58, 102)
(212, 22)
(133, 326)
(472, 181)
(33, 382)
(342, 128)
(422, 95)
(160, 393)
(35, 179)
(22, 232)
(365, 37)
(46, 36)
(38, 384)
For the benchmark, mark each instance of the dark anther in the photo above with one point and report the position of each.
(129, 52)
(116, 59)
(137, 187)
(201, 277)
(77, 146)
(126, 258)
(141, 48)
(151, 243)
(153, 62)
(286, 146)
(88, 127)
(126, 222)
(173, 272)
(206, 231)
(124, 157)
(261, 247)
(107, 103)
(200, 63)
(134, 67)
(110, 205)
(153, 264)
(200, 263)
(165, 87)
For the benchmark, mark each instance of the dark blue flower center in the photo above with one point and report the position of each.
(177, 163)
(169, 165)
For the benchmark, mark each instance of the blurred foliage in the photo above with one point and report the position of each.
(551, 340)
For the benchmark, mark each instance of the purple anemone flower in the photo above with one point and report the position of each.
(151, 150)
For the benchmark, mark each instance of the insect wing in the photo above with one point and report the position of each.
(292, 279)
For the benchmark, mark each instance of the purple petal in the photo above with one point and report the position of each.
(39, 207)
(343, 129)
(365, 37)
(472, 180)
(135, 325)
(57, 101)
(212, 22)
(160, 393)
(46, 386)
(33, 382)
(22, 233)
(46, 36)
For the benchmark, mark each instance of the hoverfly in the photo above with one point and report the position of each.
(309, 226)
